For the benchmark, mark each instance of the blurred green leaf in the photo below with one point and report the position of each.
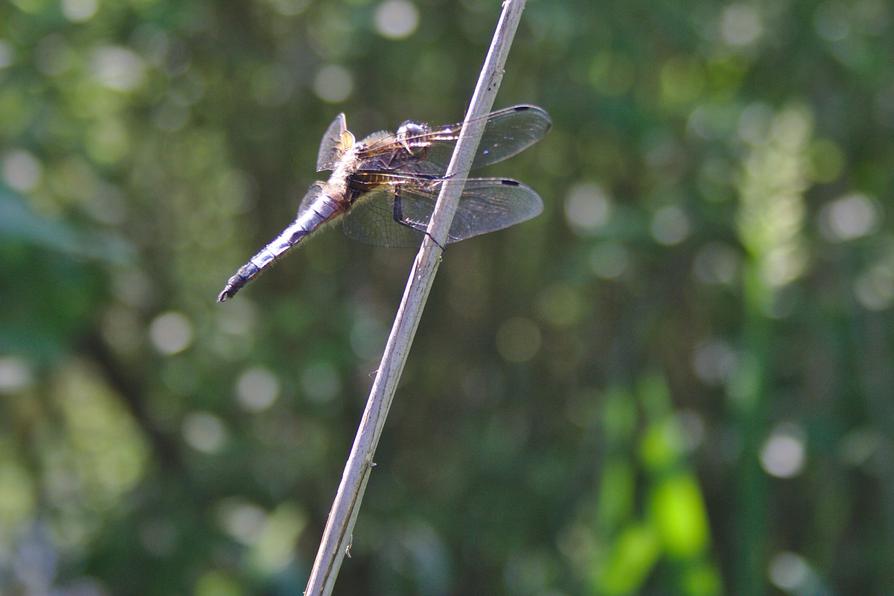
(678, 510)
(631, 559)
(19, 224)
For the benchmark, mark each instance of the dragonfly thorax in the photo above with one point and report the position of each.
(337, 185)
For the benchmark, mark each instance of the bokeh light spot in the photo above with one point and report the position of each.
(858, 447)
(170, 117)
(79, 11)
(117, 68)
(754, 122)
(368, 335)
(170, 333)
(242, 520)
(788, 571)
(518, 339)
(682, 80)
(289, 8)
(609, 260)
(783, 264)
(874, 289)
(831, 21)
(333, 83)
(274, 549)
(714, 362)
(204, 432)
(692, 428)
(320, 381)
(7, 54)
(848, 218)
(740, 25)
(560, 305)
(257, 389)
(587, 208)
(826, 161)
(396, 19)
(217, 583)
(15, 374)
(670, 225)
(783, 454)
(21, 170)
(716, 263)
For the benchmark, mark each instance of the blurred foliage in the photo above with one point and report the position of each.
(677, 380)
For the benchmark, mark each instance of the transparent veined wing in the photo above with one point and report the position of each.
(507, 132)
(486, 205)
(491, 204)
(371, 221)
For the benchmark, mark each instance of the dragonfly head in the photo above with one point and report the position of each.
(409, 131)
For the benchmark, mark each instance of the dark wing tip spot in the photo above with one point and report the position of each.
(509, 182)
(529, 107)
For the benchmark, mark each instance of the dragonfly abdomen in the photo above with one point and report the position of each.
(305, 224)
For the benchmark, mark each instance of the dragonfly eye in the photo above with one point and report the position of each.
(410, 129)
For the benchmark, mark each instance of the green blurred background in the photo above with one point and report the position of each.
(677, 380)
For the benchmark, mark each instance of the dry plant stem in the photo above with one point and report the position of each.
(339, 527)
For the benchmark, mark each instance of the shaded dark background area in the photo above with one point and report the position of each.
(677, 380)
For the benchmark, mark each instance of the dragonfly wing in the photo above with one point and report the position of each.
(486, 205)
(371, 221)
(491, 204)
(335, 142)
(507, 132)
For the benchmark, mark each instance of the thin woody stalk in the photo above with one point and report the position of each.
(339, 527)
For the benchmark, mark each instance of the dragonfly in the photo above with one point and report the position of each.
(383, 188)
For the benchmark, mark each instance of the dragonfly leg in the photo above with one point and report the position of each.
(399, 218)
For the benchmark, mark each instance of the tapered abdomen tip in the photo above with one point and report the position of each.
(228, 292)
